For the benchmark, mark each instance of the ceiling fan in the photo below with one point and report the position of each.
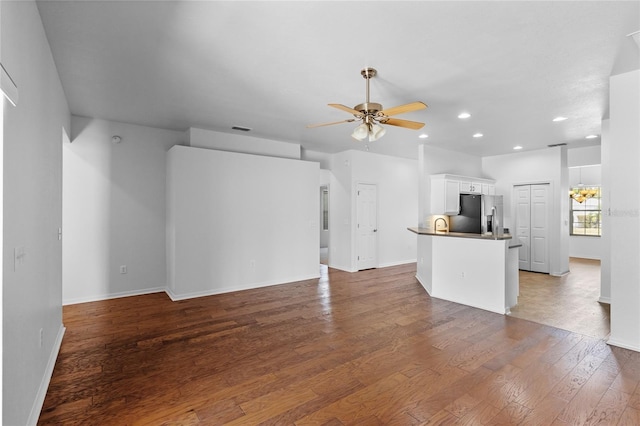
(372, 115)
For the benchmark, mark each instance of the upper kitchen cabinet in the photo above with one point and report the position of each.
(469, 187)
(445, 195)
(446, 190)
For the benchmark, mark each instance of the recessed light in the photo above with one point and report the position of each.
(591, 137)
(517, 147)
(478, 135)
(423, 136)
(464, 115)
(559, 118)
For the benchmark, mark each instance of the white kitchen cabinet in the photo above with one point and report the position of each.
(470, 187)
(445, 195)
(488, 189)
(446, 190)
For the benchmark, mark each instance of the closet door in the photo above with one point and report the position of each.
(522, 197)
(532, 226)
(540, 228)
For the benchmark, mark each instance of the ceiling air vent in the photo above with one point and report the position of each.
(244, 129)
(557, 144)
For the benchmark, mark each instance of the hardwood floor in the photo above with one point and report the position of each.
(569, 302)
(369, 348)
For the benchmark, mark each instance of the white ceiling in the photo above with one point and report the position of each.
(274, 67)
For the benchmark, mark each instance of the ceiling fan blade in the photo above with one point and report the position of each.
(311, 126)
(347, 109)
(403, 123)
(413, 106)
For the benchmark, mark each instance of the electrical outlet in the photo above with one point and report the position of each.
(461, 274)
(123, 269)
(252, 263)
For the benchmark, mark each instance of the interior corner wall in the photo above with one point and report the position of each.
(623, 210)
(114, 197)
(32, 209)
(239, 221)
(396, 180)
(538, 166)
(242, 143)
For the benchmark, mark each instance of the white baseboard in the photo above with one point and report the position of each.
(342, 268)
(46, 378)
(623, 345)
(210, 292)
(422, 283)
(606, 300)
(559, 274)
(107, 296)
(399, 262)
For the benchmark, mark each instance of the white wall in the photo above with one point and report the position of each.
(114, 209)
(32, 291)
(624, 173)
(605, 238)
(201, 138)
(238, 221)
(585, 156)
(341, 213)
(396, 180)
(434, 161)
(539, 166)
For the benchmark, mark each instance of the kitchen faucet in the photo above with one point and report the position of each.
(435, 224)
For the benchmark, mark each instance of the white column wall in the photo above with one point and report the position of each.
(32, 209)
(605, 239)
(624, 220)
(238, 221)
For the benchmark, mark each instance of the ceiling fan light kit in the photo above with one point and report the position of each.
(372, 114)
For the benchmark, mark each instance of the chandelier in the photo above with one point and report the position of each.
(582, 194)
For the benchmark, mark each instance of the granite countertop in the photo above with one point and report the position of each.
(427, 231)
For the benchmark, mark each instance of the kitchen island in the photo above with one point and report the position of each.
(472, 269)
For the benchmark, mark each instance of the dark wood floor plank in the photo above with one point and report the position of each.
(368, 348)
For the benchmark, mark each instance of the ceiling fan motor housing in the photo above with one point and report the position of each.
(368, 108)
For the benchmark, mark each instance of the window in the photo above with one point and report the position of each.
(586, 215)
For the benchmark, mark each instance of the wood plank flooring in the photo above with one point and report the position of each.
(569, 302)
(369, 348)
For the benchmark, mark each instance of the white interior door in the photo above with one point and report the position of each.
(532, 226)
(367, 226)
(522, 197)
(539, 228)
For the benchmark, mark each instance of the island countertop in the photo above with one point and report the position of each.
(427, 231)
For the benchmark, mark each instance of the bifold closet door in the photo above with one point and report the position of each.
(532, 226)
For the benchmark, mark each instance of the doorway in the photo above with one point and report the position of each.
(324, 224)
(532, 226)
(367, 226)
